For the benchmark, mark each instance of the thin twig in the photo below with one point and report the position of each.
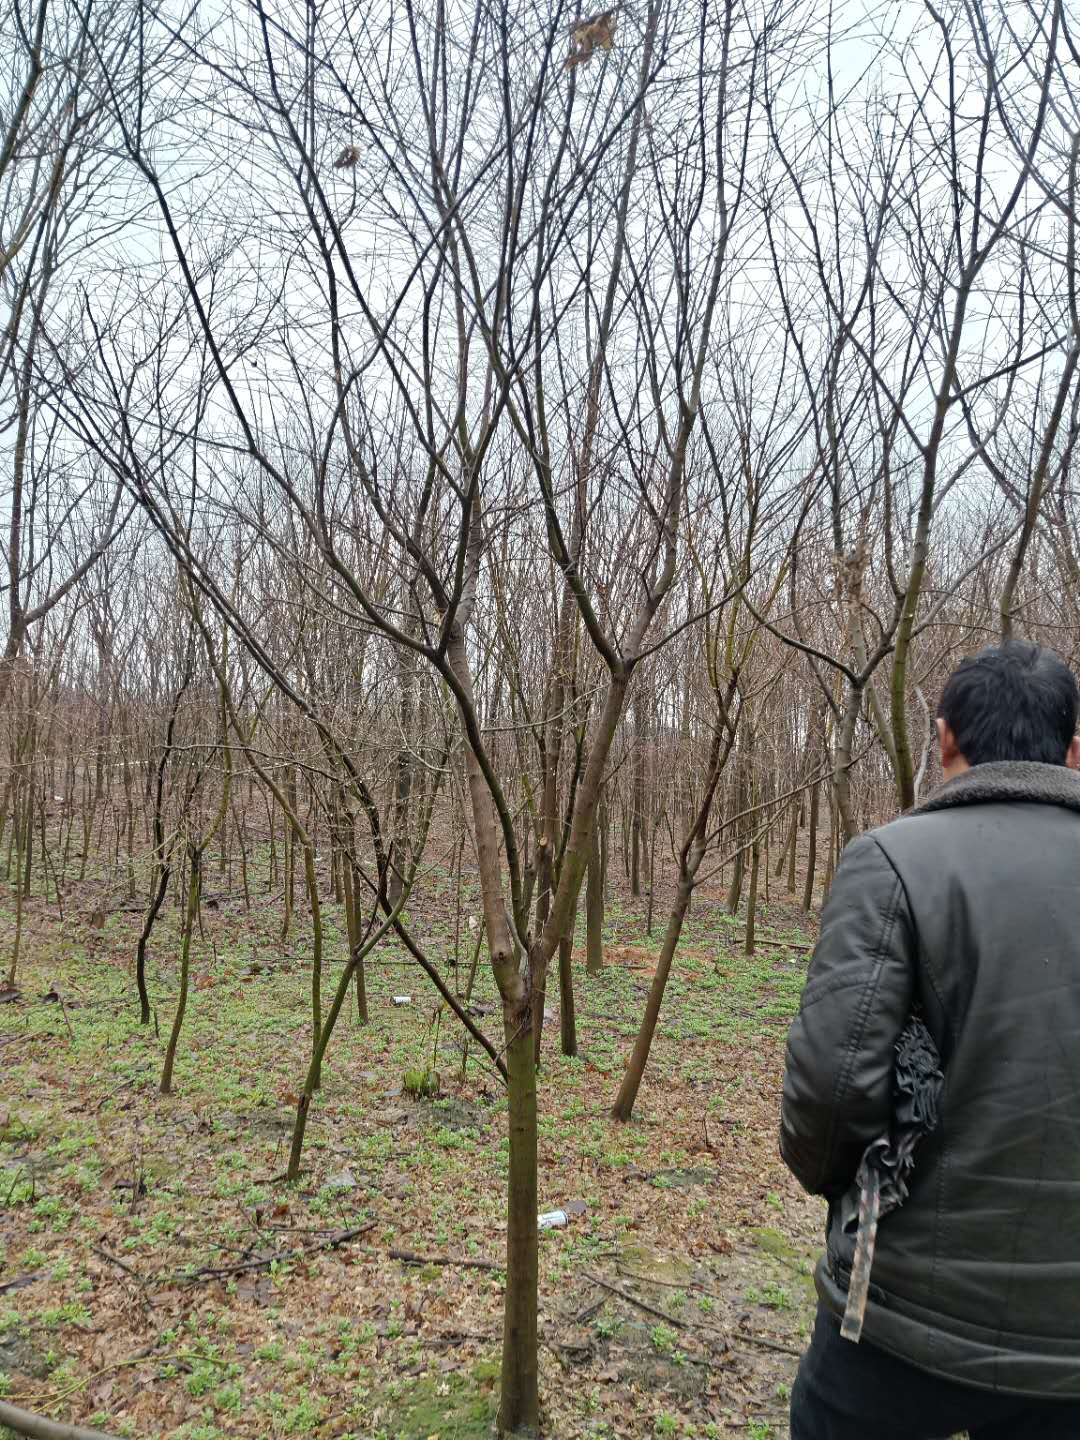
(115, 1260)
(329, 1242)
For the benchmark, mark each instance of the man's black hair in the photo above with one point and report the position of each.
(1012, 702)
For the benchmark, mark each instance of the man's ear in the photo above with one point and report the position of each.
(1072, 755)
(947, 740)
(953, 760)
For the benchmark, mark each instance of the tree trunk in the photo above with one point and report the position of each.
(594, 907)
(407, 681)
(791, 850)
(830, 862)
(156, 902)
(185, 970)
(314, 1071)
(352, 927)
(16, 830)
(811, 843)
(841, 809)
(781, 859)
(311, 880)
(631, 1082)
(519, 1409)
(567, 1011)
(735, 888)
(741, 802)
(751, 898)
(636, 838)
(520, 1404)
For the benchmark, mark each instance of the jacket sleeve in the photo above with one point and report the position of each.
(840, 1051)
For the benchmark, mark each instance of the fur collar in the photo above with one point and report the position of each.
(1014, 781)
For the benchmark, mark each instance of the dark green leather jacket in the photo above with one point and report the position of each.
(969, 907)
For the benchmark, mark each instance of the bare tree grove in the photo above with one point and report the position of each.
(458, 454)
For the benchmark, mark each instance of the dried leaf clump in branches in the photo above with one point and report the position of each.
(596, 32)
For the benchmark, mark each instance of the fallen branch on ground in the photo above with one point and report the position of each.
(22, 1422)
(751, 1339)
(21, 1281)
(328, 1242)
(410, 1257)
(726, 1338)
(115, 1260)
(643, 1304)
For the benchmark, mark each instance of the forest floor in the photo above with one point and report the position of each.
(157, 1278)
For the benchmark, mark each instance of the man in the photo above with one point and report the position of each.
(966, 913)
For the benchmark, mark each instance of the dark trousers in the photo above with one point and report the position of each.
(856, 1392)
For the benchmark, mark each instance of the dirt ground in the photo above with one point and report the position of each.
(158, 1279)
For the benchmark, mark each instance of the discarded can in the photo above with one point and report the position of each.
(401, 999)
(553, 1220)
